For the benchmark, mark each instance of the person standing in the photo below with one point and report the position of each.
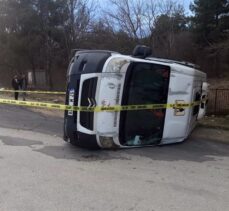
(23, 85)
(15, 85)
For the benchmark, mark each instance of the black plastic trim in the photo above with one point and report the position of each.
(87, 141)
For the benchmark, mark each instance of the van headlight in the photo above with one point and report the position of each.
(116, 64)
(106, 142)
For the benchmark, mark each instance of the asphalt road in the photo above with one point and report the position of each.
(38, 171)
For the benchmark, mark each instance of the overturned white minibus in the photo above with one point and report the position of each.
(157, 101)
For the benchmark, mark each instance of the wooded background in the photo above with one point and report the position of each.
(40, 34)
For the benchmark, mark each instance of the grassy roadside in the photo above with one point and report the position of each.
(213, 128)
(59, 99)
(49, 98)
(215, 122)
(211, 134)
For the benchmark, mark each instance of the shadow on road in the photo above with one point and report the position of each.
(12, 141)
(191, 150)
(67, 151)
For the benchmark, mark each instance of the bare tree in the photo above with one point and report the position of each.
(151, 22)
(168, 23)
(127, 16)
(150, 16)
(80, 15)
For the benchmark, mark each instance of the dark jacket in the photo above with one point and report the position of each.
(23, 83)
(15, 84)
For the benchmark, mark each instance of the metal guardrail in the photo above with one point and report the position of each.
(218, 102)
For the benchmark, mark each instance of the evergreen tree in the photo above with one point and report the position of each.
(210, 22)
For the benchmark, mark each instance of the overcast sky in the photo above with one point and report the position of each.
(186, 4)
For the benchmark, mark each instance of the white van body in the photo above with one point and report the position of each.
(186, 85)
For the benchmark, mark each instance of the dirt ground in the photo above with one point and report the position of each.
(49, 98)
(215, 122)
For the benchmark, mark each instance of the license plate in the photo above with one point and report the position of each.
(71, 101)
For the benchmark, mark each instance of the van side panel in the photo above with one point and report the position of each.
(176, 123)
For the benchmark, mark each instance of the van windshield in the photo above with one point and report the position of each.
(145, 83)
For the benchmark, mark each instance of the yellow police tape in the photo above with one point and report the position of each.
(32, 92)
(99, 108)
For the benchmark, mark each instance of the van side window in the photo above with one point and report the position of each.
(196, 108)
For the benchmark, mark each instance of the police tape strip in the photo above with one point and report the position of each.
(32, 92)
(98, 108)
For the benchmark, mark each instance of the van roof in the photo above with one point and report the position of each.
(170, 61)
(79, 51)
(188, 64)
